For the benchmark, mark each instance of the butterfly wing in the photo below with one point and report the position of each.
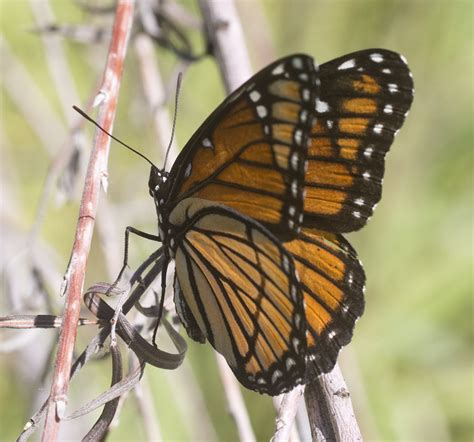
(332, 281)
(238, 289)
(250, 153)
(364, 99)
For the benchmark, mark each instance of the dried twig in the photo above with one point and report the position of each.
(56, 59)
(286, 414)
(155, 94)
(330, 411)
(95, 174)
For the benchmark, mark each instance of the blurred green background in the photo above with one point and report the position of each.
(409, 367)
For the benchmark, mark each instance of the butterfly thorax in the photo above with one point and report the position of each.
(157, 188)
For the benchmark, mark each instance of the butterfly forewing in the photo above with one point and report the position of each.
(364, 99)
(332, 281)
(238, 289)
(250, 153)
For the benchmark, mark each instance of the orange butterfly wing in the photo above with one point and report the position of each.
(250, 153)
(236, 286)
(364, 99)
(332, 281)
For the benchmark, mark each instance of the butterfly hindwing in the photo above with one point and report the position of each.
(250, 153)
(239, 286)
(363, 102)
(332, 282)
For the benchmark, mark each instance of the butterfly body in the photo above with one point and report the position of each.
(253, 209)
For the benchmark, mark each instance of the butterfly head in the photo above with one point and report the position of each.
(156, 181)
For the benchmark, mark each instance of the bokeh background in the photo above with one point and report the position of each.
(409, 367)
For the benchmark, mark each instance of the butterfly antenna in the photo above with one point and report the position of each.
(176, 99)
(81, 112)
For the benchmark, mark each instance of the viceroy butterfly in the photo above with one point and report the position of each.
(253, 209)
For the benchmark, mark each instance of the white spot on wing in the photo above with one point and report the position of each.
(392, 87)
(346, 65)
(366, 175)
(359, 201)
(254, 96)
(388, 109)
(306, 95)
(298, 136)
(276, 374)
(294, 188)
(321, 106)
(262, 111)
(387, 71)
(187, 172)
(290, 363)
(278, 69)
(294, 292)
(368, 152)
(286, 264)
(296, 343)
(206, 142)
(356, 214)
(378, 58)
(297, 63)
(294, 160)
(378, 128)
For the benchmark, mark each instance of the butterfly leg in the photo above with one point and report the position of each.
(162, 299)
(118, 308)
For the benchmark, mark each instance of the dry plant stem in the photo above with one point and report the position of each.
(225, 31)
(330, 409)
(87, 212)
(227, 37)
(286, 414)
(56, 58)
(235, 401)
(155, 94)
(147, 410)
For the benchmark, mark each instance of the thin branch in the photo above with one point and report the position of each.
(235, 401)
(286, 414)
(330, 411)
(155, 94)
(56, 58)
(147, 410)
(87, 212)
(226, 34)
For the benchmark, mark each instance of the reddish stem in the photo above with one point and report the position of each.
(96, 172)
